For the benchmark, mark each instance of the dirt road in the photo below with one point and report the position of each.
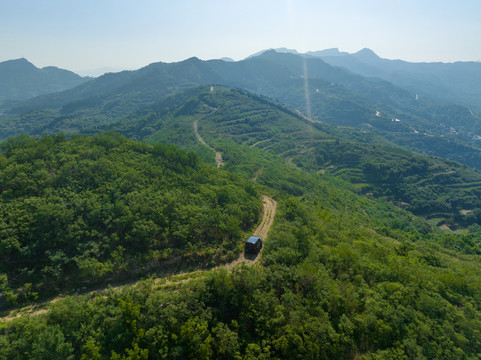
(262, 230)
(270, 206)
(218, 155)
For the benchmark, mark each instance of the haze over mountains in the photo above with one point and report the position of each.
(373, 251)
(326, 93)
(458, 82)
(333, 101)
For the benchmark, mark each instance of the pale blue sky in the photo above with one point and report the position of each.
(88, 34)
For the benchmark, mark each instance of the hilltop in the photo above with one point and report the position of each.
(427, 186)
(76, 212)
(20, 80)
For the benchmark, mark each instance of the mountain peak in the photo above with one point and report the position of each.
(20, 60)
(282, 50)
(367, 54)
(286, 50)
(21, 63)
(260, 53)
(20, 79)
(192, 59)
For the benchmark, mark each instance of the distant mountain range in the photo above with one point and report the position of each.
(458, 82)
(323, 92)
(20, 80)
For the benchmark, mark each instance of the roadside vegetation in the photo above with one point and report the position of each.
(351, 268)
(74, 212)
(343, 276)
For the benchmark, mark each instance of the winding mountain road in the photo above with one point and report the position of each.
(248, 259)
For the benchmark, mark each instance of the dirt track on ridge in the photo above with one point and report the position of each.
(249, 259)
(218, 155)
(270, 206)
(262, 230)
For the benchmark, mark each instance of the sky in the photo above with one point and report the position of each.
(90, 36)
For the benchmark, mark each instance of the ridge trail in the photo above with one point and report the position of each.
(262, 230)
(218, 155)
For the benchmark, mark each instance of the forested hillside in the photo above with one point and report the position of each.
(374, 252)
(321, 91)
(342, 277)
(20, 80)
(74, 212)
(427, 186)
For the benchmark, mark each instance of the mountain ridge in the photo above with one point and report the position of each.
(20, 79)
(450, 81)
(374, 252)
(324, 92)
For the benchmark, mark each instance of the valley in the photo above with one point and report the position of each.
(125, 202)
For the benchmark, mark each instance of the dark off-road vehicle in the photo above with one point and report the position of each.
(253, 244)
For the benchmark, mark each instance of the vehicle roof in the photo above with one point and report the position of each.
(253, 239)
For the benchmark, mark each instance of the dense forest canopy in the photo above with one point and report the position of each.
(374, 251)
(342, 277)
(104, 206)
